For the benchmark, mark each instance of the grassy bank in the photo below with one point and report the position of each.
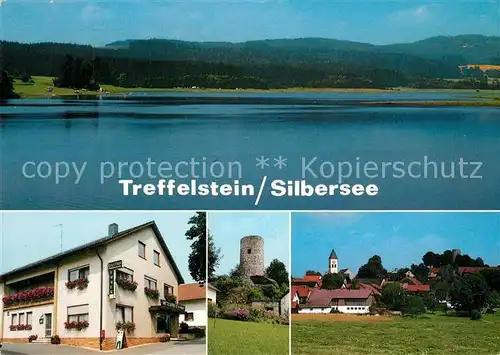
(234, 337)
(484, 98)
(431, 334)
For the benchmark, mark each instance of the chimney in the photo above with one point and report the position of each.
(112, 229)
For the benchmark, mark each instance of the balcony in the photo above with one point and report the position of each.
(28, 297)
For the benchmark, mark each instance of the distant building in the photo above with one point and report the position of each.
(333, 262)
(338, 301)
(194, 298)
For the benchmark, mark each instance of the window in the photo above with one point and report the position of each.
(29, 318)
(79, 273)
(14, 320)
(168, 290)
(189, 317)
(142, 250)
(249, 251)
(124, 314)
(78, 313)
(156, 258)
(124, 275)
(150, 283)
(21, 318)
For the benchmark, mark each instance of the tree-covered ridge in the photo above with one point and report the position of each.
(267, 64)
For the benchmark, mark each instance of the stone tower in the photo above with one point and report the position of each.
(252, 256)
(333, 262)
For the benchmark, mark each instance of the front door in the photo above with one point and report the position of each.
(48, 325)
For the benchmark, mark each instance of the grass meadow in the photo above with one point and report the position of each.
(431, 334)
(235, 337)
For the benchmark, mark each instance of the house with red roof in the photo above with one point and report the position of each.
(339, 300)
(311, 281)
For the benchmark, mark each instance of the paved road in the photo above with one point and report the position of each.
(194, 347)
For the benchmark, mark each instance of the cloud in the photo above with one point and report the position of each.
(94, 12)
(414, 15)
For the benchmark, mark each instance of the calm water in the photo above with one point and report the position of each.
(241, 127)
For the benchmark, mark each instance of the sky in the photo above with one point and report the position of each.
(27, 237)
(400, 239)
(228, 228)
(98, 22)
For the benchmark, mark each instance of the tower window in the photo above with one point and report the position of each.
(249, 251)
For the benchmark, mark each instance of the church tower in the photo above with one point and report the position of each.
(333, 262)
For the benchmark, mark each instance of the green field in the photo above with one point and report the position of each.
(429, 335)
(234, 337)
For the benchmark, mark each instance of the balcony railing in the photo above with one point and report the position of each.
(26, 297)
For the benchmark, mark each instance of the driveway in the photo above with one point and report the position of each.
(194, 347)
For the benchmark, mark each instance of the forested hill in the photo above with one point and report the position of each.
(461, 50)
(307, 62)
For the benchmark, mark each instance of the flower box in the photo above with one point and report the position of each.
(151, 293)
(13, 328)
(129, 327)
(171, 298)
(128, 285)
(80, 284)
(76, 325)
(36, 294)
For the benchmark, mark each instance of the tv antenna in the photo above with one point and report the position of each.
(62, 232)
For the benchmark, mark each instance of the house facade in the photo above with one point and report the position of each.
(338, 301)
(127, 280)
(194, 298)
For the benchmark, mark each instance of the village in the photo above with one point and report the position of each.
(342, 291)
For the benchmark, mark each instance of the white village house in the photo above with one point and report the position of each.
(194, 298)
(127, 279)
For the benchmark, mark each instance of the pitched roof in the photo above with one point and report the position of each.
(302, 291)
(190, 292)
(100, 242)
(333, 254)
(374, 281)
(413, 280)
(323, 298)
(416, 288)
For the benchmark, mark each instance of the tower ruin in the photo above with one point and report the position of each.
(252, 256)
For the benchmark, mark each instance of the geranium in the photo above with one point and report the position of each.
(13, 327)
(80, 283)
(29, 296)
(151, 293)
(126, 284)
(171, 298)
(127, 326)
(79, 325)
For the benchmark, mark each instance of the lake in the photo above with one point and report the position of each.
(217, 129)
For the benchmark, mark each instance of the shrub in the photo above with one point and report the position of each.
(213, 310)
(239, 314)
(165, 338)
(256, 314)
(183, 327)
(476, 315)
(55, 340)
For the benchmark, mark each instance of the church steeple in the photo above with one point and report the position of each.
(333, 263)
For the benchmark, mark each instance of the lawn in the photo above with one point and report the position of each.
(234, 337)
(430, 334)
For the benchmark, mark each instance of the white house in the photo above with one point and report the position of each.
(285, 304)
(339, 300)
(194, 298)
(127, 279)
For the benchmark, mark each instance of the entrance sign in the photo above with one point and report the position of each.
(115, 265)
(119, 339)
